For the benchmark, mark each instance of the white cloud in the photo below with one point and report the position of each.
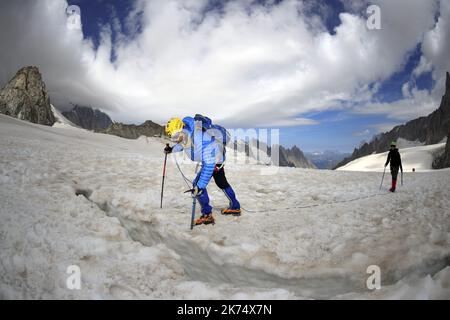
(417, 104)
(436, 48)
(363, 133)
(385, 126)
(248, 65)
(423, 67)
(435, 59)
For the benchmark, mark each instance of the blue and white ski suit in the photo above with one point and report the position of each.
(204, 149)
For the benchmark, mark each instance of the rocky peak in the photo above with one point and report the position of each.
(25, 97)
(447, 83)
(446, 98)
(296, 150)
(88, 118)
(25, 78)
(443, 161)
(294, 157)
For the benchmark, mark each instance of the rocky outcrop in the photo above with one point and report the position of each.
(88, 118)
(131, 131)
(428, 130)
(446, 156)
(443, 160)
(25, 97)
(294, 157)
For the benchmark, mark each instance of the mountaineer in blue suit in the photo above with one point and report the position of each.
(204, 143)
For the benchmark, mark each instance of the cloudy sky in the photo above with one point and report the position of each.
(311, 68)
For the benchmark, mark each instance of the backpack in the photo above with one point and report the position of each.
(217, 132)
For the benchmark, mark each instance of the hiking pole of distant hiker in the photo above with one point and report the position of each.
(402, 178)
(164, 176)
(382, 178)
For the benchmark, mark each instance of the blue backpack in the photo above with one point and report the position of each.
(219, 133)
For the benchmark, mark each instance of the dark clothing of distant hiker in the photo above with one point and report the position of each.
(394, 158)
(396, 163)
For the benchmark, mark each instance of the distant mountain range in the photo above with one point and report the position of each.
(287, 157)
(88, 118)
(326, 159)
(93, 119)
(132, 131)
(428, 130)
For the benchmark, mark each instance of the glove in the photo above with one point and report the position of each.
(168, 149)
(196, 191)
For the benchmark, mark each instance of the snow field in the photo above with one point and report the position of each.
(127, 247)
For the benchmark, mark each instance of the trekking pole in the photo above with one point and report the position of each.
(164, 176)
(194, 201)
(382, 178)
(402, 178)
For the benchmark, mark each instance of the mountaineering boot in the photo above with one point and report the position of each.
(205, 219)
(235, 207)
(394, 184)
(234, 212)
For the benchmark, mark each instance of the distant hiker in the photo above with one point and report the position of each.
(396, 164)
(205, 143)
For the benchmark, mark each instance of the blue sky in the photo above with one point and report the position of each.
(96, 14)
(310, 68)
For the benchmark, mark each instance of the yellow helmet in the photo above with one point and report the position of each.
(173, 126)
